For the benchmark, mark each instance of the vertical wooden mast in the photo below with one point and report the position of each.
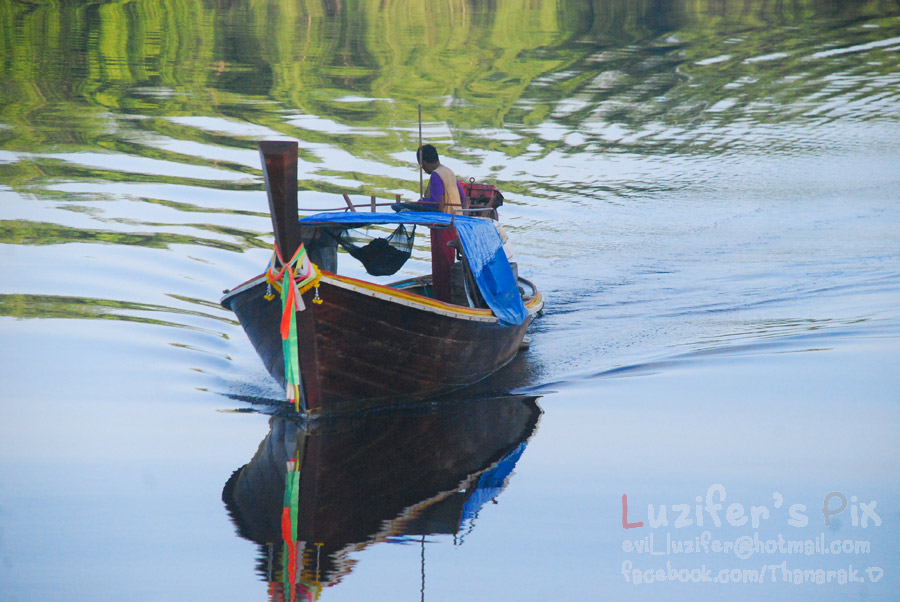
(279, 162)
(419, 152)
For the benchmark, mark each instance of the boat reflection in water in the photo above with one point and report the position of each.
(316, 492)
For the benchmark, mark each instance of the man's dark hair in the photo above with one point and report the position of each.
(427, 153)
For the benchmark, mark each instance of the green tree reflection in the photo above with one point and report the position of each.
(111, 75)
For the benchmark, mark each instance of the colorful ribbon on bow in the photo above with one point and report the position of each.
(298, 282)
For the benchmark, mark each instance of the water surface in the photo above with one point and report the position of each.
(706, 194)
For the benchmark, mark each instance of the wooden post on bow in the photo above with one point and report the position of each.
(279, 162)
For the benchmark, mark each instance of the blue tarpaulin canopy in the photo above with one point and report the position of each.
(481, 247)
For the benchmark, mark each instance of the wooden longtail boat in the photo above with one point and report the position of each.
(316, 492)
(362, 344)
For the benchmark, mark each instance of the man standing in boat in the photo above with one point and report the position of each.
(446, 194)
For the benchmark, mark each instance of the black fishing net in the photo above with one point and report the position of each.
(380, 255)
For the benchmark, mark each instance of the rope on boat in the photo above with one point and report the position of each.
(308, 276)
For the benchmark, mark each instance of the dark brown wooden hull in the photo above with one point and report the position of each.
(380, 346)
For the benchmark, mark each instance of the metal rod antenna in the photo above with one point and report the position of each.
(419, 153)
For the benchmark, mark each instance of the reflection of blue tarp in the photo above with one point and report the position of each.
(481, 245)
(491, 484)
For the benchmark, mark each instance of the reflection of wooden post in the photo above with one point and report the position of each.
(309, 504)
(279, 161)
(373, 203)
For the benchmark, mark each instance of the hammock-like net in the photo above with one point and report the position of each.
(380, 255)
